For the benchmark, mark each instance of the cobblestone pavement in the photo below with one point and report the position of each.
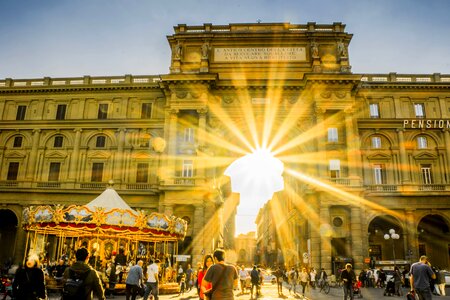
(270, 292)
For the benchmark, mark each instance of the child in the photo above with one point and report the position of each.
(182, 284)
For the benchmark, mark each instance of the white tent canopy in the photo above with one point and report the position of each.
(109, 200)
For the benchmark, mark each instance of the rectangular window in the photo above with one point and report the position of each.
(374, 110)
(142, 172)
(335, 168)
(332, 134)
(17, 142)
(102, 111)
(97, 172)
(146, 111)
(419, 110)
(13, 171)
(422, 142)
(53, 171)
(379, 175)
(21, 110)
(58, 142)
(100, 142)
(189, 135)
(427, 177)
(376, 142)
(188, 168)
(61, 112)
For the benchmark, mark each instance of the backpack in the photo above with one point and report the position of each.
(74, 287)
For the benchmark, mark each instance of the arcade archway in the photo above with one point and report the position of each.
(434, 239)
(381, 250)
(8, 230)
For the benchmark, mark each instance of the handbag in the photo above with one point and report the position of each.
(208, 293)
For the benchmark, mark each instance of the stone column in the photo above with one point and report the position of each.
(199, 228)
(325, 238)
(447, 149)
(33, 155)
(404, 164)
(119, 171)
(314, 233)
(353, 152)
(201, 136)
(75, 154)
(356, 234)
(412, 242)
(322, 169)
(172, 145)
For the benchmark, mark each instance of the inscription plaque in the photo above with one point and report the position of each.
(259, 54)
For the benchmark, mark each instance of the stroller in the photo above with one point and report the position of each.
(357, 289)
(390, 288)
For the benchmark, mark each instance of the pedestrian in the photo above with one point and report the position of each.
(182, 284)
(440, 281)
(254, 278)
(111, 273)
(134, 279)
(420, 277)
(292, 280)
(243, 278)
(152, 279)
(208, 261)
(29, 282)
(91, 283)
(279, 275)
(303, 278)
(223, 277)
(398, 281)
(189, 273)
(312, 276)
(348, 277)
(180, 273)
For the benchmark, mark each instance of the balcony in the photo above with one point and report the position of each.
(63, 185)
(408, 188)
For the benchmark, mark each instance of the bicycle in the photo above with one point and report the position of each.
(324, 286)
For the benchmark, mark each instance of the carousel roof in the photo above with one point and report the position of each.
(109, 200)
(107, 215)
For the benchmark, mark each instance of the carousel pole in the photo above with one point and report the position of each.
(27, 244)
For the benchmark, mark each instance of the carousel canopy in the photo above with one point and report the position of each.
(109, 200)
(107, 215)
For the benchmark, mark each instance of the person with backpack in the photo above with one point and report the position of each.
(81, 281)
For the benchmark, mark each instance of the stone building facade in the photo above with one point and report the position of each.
(363, 153)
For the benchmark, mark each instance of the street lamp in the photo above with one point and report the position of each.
(393, 236)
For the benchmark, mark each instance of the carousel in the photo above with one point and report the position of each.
(106, 226)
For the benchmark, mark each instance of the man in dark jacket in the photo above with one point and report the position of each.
(348, 276)
(91, 282)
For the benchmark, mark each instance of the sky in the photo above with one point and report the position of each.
(67, 38)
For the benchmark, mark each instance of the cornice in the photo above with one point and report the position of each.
(77, 89)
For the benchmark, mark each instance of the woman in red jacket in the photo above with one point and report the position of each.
(207, 262)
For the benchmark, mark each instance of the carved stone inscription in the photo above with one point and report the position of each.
(259, 54)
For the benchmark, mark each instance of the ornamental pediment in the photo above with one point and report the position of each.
(15, 154)
(99, 154)
(56, 154)
(379, 156)
(425, 156)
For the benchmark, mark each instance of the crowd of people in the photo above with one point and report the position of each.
(213, 279)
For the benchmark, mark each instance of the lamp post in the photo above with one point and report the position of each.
(393, 236)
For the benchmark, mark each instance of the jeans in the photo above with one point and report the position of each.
(424, 294)
(348, 291)
(152, 287)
